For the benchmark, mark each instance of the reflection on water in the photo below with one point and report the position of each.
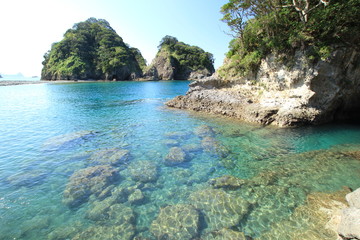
(109, 161)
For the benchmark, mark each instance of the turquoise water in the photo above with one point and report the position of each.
(50, 134)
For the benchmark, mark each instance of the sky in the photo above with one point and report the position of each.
(29, 27)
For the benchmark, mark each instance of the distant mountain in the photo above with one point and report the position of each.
(92, 50)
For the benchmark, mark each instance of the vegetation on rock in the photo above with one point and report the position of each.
(284, 26)
(177, 60)
(92, 50)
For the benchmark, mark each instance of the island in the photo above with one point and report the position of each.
(92, 50)
(176, 60)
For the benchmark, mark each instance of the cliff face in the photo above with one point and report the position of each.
(92, 50)
(303, 93)
(178, 61)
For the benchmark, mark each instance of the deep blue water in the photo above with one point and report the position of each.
(48, 132)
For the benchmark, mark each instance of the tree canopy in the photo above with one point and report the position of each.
(264, 26)
(92, 50)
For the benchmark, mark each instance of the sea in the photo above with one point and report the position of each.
(108, 160)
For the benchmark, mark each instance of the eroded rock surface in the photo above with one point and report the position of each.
(303, 93)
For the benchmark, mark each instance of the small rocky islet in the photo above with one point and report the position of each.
(123, 199)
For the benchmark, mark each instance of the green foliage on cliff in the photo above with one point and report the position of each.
(92, 50)
(283, 26)
(187, 57)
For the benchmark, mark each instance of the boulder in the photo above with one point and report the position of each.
(353, 199)
(91, 180)
(179, 221)
(27, 178)
(349, 227)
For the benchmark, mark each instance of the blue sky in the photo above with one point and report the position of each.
(29, 27)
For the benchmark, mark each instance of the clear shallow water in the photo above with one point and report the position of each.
(51, 131)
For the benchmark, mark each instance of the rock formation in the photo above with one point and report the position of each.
(349, 227)
(282, 94)
(178, 61)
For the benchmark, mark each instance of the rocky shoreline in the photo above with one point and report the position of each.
(283, 95)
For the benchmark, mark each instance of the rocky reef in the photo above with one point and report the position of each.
(284, 94)
(179, 61)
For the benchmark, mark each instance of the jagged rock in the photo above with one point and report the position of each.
(91, 180)
(227, 182)
(175, 156)
(144, 171)
(224, 234)
(112, 156)
(179, 221)
(221, 209)
(137, 197)
(304, 93)
(349, 227)
(353, 198)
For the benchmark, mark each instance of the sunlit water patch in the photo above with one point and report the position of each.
(109, 161)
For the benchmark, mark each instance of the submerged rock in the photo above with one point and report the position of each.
(27, 178)
(204, 131)
(221, 210)
(112, 156)
(224, 234)
(175, 156)
(137, 197)
(227, 182)
(179, 221)
(57, 142)
(91, 180)
(115, 232)
(317, 219)
(144, 171)
(211, 145)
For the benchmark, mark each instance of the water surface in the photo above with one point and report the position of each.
(49, 132)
